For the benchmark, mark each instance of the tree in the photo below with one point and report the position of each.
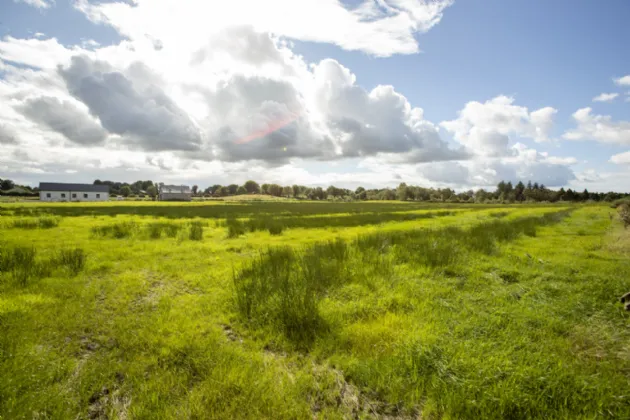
(241, 190)
(125, 191)
(296, 191)
(222, 192)
(275, 190)
(195, 188)
(317, 193)
(403, 192)
(6, 185)
(264, 188)
(214, 188)
(287, 191)
(252, 187)
(519, 191)
(152, 191)
(232, 189)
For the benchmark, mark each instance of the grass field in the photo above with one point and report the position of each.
(313, 310)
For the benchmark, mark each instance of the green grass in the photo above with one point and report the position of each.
(155, 310)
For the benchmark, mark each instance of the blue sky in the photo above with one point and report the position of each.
(452, 62)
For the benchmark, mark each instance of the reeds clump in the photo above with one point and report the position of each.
(44, 222)
(196, 231)
(73, 259)
(235, 227)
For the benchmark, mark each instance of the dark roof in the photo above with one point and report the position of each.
(58, 186)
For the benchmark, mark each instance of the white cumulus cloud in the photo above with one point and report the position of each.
(381, 28)
(623, 81)
(605, 97)
(485, 128)
(601, 128)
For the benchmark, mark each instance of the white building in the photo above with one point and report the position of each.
(56, 191)
(174, 192)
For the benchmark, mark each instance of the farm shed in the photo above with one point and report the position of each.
(175, 193)
(57, 191)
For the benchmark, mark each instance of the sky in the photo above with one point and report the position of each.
(372, 93)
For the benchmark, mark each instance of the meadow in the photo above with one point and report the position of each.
(313, 310)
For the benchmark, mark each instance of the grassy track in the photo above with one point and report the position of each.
(472, 313)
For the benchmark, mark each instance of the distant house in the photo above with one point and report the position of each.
(57, 191)
(174, 193)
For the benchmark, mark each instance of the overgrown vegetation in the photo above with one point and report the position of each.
(496, 312)
(35, 223)
(283, 286)
(21, 264)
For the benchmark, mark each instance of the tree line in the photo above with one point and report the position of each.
(505, 192)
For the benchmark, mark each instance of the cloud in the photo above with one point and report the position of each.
(380, 121)
(485, 128)
(601, 128)
(40, 4)
(621, 158)
(234, 102)
(36, 53)
(605, 97)
(623, 81)
(6, 135)
(65, 118)
(131, 105)
(380, 28)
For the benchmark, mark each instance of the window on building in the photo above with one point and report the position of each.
(98, 196)
(73, 195)
(85, 196)
(47, 195)
(63, 195)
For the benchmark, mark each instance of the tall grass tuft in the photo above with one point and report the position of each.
(73, 259)
(44, 222)
(196, 231)
(235, 227)
(282, 288)
(156, 229)
(117, 230)
(21, 265)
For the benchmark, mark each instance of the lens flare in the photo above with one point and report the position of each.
(273, 126)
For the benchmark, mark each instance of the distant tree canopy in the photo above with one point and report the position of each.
(505, 192)
(252, 187)
(8, 187)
